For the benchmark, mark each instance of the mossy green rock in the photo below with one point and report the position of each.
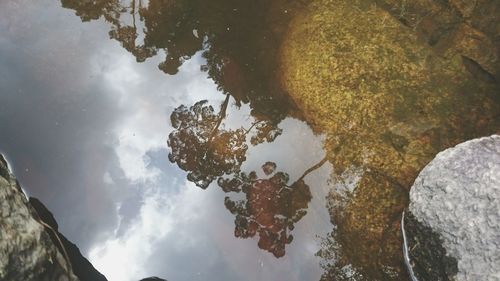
(385, 100)
(387, 104)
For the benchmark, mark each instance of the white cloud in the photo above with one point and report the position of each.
(131, 150)
(125, 258)
(188, 234)
(146, 99)
(106, 178)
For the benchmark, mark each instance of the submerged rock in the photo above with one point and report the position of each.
(469, 27)
(385, 99)
(387, 102)
(26, 250)
(457, 197)
(367, 223)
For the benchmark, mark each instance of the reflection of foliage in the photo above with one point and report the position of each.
(201, 147)
(266, 131)
(91, 10)
(239, 39)
(270, 209)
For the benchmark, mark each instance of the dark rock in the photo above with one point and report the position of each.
(427, 254)
(477, 71)
(44, 214)
(82, 268)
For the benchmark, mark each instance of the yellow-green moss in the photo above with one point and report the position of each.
(387, 104)
(385, 100)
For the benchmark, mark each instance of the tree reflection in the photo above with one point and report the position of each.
(271, 206)
(394, 121)
(202, 146)
(240, 40)
(93, 10)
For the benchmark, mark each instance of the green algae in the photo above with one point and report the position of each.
(360, 76)
(387, 104)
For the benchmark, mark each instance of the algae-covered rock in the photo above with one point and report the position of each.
(469, 27)
(387, 103)
(384, 99)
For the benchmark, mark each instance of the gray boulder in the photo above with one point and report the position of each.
(26, 251)
(453, 221)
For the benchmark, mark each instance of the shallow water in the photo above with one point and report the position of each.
(159, 135)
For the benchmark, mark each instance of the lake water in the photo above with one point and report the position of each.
(162, 137)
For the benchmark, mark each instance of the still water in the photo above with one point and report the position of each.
(188, 139)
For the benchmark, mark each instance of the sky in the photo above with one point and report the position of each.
(85, 128)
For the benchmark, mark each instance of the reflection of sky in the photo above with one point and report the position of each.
(85, 128)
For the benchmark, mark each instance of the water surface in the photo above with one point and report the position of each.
(194, 140)
(86, 127)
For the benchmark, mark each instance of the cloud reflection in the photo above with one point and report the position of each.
(86, 128)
